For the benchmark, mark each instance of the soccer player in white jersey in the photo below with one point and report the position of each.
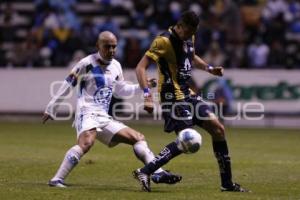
(98, 76)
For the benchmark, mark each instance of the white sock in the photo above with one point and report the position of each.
(71, 159)
(144, 154)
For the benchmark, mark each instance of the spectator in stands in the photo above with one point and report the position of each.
(214, 56)
(108, 25)
(89, 34)
(258, 53)
(230, 18)
(175, 8)
(24, 54)
(292, 17)
(56, 23)
(277, 56)
(132, 52)
(223, 98)
(9, 22)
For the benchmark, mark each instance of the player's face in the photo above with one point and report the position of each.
(107, 48)
(185, 32)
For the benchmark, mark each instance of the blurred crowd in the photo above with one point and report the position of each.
(234, 34)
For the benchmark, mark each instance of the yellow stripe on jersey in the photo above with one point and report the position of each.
(161, 48)
(157, 48)
(178, 93)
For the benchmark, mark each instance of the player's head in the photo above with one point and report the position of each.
(187, 25)
(107, 45)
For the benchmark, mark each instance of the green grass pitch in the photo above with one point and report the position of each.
(267, 161)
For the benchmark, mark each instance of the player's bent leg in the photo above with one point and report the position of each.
(128, 136)
(72, 157)
(143, 153)
(188, 141)
(86, 139)
(70, 160)
(169, 152)
(214, 127)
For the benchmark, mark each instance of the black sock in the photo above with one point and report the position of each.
(168, 153)
(221, 153)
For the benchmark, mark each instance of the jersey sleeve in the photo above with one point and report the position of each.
(157, 49)
(68, 84)
(75, 73)
(60, 95)
(123, 88)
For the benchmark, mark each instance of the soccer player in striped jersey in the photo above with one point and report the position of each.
(97, 77)
(174, 53)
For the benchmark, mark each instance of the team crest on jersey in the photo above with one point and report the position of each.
(169, 96)
(102, 95)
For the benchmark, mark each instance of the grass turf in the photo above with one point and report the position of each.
(263, 160)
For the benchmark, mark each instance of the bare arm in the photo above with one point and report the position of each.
(201, 64)
(144, 84)
(68, 84)
(141, 71)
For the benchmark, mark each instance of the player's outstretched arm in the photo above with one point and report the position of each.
(143, 81)
(141, 71)
(201, 64)
(51, 109)
(123, 88)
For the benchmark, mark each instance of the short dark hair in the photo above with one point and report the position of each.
(189, 18)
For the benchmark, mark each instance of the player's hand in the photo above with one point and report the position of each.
(46, 117)
(217, 71)
(148, 103)
(152, 83)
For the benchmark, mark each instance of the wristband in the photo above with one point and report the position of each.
(210, 68)
(146, 92)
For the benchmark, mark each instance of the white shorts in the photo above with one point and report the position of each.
(106, 127)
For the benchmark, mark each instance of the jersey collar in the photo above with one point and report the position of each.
(101, 60)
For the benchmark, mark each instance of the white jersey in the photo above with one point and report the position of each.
(96, 82)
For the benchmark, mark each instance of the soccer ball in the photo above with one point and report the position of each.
(189, 141)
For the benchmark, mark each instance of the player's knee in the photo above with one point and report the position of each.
(139, 137)
(219, 131)
(86, 144)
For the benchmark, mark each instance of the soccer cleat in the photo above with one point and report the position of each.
(234, 188)
(57, 183)
(143, 179)
(166, 177)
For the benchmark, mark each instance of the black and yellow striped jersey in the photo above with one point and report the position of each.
(173, 57)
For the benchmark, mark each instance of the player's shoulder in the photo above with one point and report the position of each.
(86, 61)
(166, 34)
(115, 62)
(160, 42)
(90, 58)
(116, 66)
(162, 39)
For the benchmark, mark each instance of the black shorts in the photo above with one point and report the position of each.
(184, 114)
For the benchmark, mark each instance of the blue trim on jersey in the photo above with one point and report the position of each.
(82, 86)
(99, 76)
(72, 79)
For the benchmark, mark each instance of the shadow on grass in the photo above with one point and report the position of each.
(91, 187)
